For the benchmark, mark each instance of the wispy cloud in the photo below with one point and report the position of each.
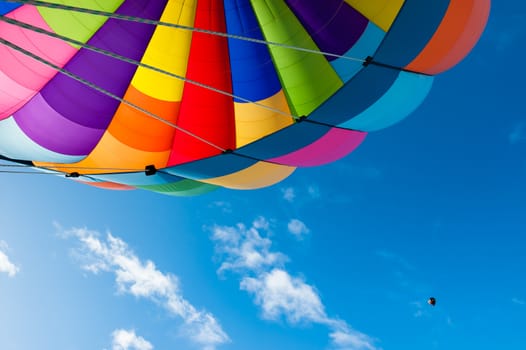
(348, 339)
(418, 306)
(143, 279)
(225, 207)
(292, 194)
(128, 340)
(409, 289)
(247, 252)
(314, 191)
(517, 134)
(288, 194)
(395, 258)
(6, 266)
(244, 249)
(279, 294)
(297, 228)
(506, 31)
(518, 301)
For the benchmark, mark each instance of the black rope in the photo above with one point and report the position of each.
(370, 61)
(22, 162)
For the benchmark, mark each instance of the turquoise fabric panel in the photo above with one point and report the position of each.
(405, 95)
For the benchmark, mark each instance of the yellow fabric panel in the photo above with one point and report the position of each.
(380, 12)
(261, 174)
(254, 122)
(112, 153)
(168, 50)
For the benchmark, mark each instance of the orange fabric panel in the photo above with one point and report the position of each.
(141, 131)
(457, 34)
(111, 155)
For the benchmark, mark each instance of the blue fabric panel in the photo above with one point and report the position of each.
(356, 96)
(6, 7)
(212, 167)
(138, 178)
(253, 74)
(413, 28)
(285, 141)
(404, 96)
(365, 46)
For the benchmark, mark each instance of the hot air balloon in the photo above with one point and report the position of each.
(181, 97)
(432, 301)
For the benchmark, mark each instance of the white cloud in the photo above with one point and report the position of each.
(288, 194)
(346, 338)
(314, 191)
(6, 265)
(247, 251)
(517, 134)
(280, 294)
(518, 301)
(419, 309)
(225, 207)
(143, 279)
(297, 228)
(128, 340)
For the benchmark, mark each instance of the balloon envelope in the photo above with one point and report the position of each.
(180, 97)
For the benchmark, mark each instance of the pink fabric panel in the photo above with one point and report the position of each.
(335, 144)
(25, 75)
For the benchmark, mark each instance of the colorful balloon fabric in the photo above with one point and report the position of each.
(180, 97)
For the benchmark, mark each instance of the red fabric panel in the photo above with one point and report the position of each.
(205, 113)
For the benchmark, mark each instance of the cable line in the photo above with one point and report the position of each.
(25, 172)
(106, 92)
(139, 64)
(179, 26)
(146, 66)
(130, 104)
(76, 167)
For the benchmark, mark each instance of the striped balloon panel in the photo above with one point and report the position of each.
(291, 83)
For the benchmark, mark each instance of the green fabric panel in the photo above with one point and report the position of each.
(308, 79)
(76, 25)
(183, 188)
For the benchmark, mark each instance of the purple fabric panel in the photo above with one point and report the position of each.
(82, 104)
(52, 131)
(336, 144)
(333, 25)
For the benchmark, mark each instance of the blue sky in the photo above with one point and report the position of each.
(342, 256)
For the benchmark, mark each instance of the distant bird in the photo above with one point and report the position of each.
(431, 301)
